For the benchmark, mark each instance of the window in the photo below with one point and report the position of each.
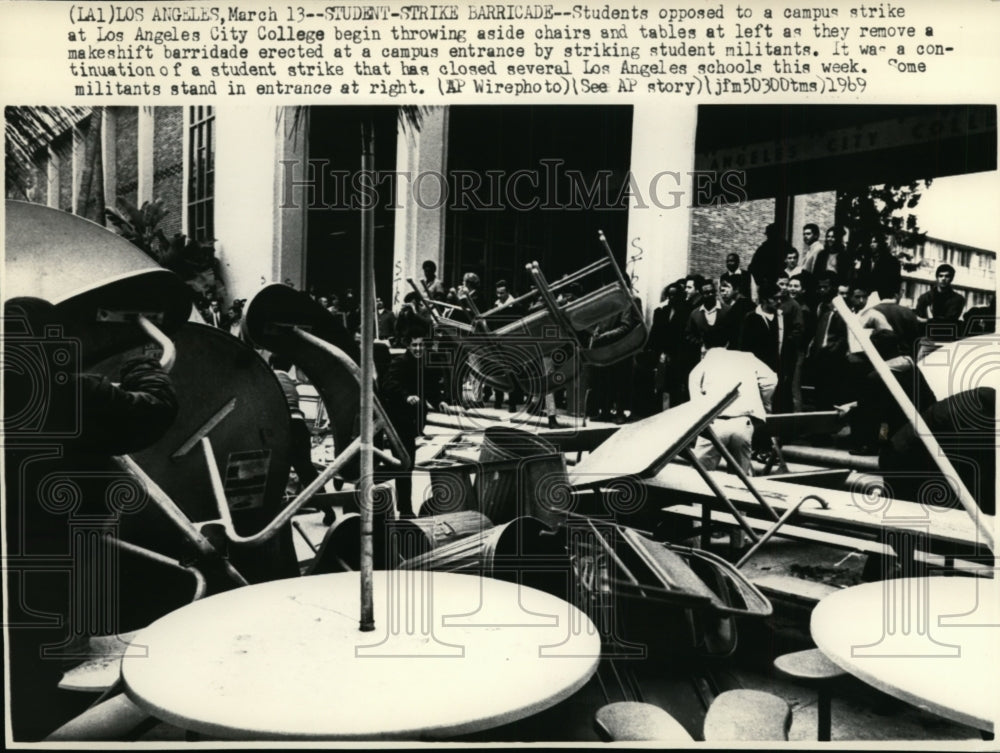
(201, 183)
(551, 217)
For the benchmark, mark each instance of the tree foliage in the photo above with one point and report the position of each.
(885, 208)
(192, 260)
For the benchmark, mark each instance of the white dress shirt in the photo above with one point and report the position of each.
(722, 369)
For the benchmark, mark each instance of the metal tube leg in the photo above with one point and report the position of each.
(728, 457)
(706, 526)
(689, 454)
(774, 529)
(824, 715)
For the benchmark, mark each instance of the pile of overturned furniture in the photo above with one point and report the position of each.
(504, 506)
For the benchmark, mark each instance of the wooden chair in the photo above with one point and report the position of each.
(633, 721)
(813, 668)
(747, 715)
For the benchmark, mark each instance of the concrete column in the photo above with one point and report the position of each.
(144, 155)
(79, 154)
(291, 153)
(659, 225)
(246, 142)
(421, 160)
(52, 168)
(109, 156)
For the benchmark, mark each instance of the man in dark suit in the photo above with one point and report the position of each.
(763, 328)
(826, 354)
(214, 314)
(738, 306)
(710, 315)
(409, 390)
(666, 340)
(788, 396)
(738, 278)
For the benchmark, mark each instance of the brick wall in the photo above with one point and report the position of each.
(718, 231)
(814, 207)
(126, 150)
(168, 165)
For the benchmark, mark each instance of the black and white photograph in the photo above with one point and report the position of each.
(429, 422)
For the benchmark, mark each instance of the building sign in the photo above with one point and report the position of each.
(948, 123)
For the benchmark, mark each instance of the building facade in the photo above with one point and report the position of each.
(475, 189)
(975, 270)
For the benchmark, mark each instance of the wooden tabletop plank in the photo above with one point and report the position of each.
(848, 511)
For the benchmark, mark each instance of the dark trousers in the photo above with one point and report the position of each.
(828, 373)
(300, 450)
(402, 476)
(645, 398)
(678, 368)
(610, 387)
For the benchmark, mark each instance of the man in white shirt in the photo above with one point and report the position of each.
(811, 245)
(792, 266)
(718, 372)
(504, 296)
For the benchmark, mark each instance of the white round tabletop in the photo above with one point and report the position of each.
(933, 642)
(450, 654)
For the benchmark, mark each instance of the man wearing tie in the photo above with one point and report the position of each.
(214, 313)
(827, 353)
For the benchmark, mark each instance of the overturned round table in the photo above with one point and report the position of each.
(933, 642)
(450, 654)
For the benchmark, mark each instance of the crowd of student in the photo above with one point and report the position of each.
(212, 313)
(780, 309)
(789, 322)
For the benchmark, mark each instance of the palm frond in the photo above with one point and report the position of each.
(411, 117)
(27, 131)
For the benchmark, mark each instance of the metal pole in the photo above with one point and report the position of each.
(365, 495)
(736, 468)
(176, 515)
(774, 529)
(720, 495)
(922, 430)
(169, 355)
